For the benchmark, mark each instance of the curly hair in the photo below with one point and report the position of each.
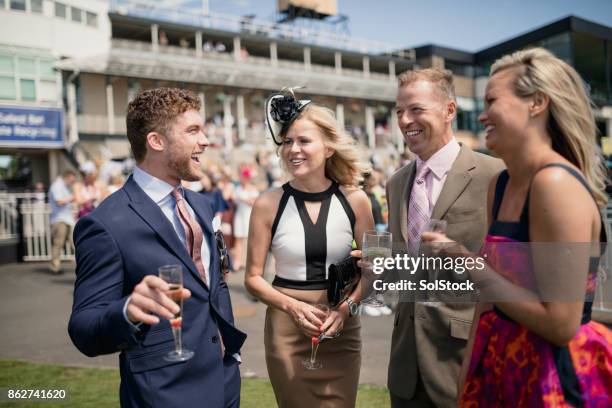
(571, 123)
(344, 165)
(155, 110)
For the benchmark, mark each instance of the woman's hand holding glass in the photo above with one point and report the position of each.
(308, 318)
(333, 325)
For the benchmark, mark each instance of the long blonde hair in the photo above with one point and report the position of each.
(344, 166)
(571, 122)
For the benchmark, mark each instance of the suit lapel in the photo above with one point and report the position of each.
(456, 181)
(150, 212)
(405, 189)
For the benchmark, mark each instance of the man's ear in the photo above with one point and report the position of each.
(155, 141)
(539, 103)
(451, 111)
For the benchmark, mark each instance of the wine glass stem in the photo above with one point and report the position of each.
(313, 352)
(178, 344)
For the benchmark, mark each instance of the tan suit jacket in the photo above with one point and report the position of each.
(429, 341)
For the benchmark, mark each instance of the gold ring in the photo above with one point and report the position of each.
(301, 321)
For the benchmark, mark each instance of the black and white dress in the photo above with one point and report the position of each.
(303, 251)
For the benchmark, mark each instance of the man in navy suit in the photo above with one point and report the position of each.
(119, 302)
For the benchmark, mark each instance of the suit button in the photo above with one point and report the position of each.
(214, 339)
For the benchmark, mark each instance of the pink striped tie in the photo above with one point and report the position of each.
(193, 241)
(193, 233)
(418, 210)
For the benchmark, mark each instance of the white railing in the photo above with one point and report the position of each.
(37, 233)
(226, 22)
(9, 212)
(8, 218)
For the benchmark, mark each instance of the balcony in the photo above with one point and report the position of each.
(136, 59)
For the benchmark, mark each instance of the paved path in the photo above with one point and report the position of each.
(36, 306)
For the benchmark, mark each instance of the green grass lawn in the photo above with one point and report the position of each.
(99, 388)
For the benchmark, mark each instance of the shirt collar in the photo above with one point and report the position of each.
(155, 188)
(441, 161)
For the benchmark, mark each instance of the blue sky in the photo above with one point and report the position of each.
(464, 24)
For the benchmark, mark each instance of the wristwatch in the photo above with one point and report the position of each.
(352, 306)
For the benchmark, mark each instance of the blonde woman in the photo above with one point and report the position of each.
(537, 346)
(308, 223)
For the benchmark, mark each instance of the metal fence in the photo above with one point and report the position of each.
(25, 217)
(8, 217)
(37, 233)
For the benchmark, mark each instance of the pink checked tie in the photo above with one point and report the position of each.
(193, 233)
(193, 240)
(418, 210)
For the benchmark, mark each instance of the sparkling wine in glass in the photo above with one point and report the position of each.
(173, 275)
(315, 341)
(438, 226)
(375, 244)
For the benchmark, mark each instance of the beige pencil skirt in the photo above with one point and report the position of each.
(333, 385)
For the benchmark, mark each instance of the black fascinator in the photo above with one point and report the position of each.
(281, 110)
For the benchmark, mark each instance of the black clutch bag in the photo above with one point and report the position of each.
(342, 280)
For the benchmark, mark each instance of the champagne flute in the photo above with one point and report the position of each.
(437, 226)
(173, 275)
(375, 244)
(315, 342)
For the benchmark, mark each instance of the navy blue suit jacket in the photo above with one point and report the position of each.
(126, 238)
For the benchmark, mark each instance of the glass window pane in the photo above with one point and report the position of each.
(28, 89)
(7, 88)
(27, 66)
(47, 90)
(36, 6)
(46, 68)
(7, 64)
(60, 10)
(76, 14)
(18, 5)
(92, 19)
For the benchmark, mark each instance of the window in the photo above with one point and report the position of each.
(7, 88)
(60, 10)
(7, 64)
(18, 5)
(92, 19)
(36, 6)
(47, 86)
(47, 90)
(7, 77)
(28, 89)
(28, 78)
(45, 69)
(27, 66)
(77, 14)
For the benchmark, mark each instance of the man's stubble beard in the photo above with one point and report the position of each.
(181, 167)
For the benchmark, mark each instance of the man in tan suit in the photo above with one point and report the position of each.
(447, 181)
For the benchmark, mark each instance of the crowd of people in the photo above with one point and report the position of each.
(546, 186)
